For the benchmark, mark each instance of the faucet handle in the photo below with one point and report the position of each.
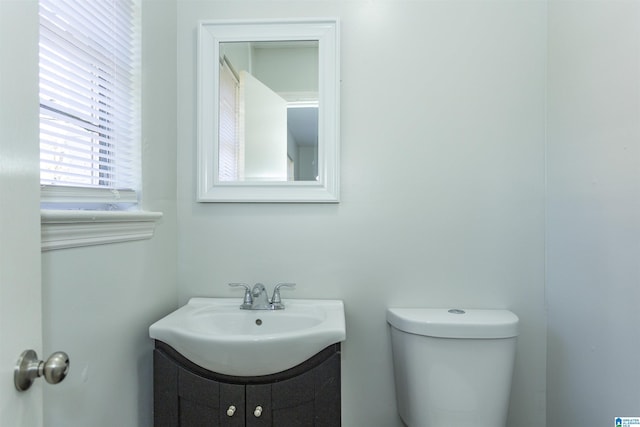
(276, 301)
(247, 301)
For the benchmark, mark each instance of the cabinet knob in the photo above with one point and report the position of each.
(257, 412)
(231, 410)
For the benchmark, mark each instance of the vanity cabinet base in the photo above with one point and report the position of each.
(187, 395)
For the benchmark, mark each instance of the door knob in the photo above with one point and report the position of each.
(29, 367)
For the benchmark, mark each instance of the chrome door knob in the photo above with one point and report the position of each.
(29, 367)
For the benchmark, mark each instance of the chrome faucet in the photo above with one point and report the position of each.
(256, 298)
(260, 298)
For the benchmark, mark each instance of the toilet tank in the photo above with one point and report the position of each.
(452, 366)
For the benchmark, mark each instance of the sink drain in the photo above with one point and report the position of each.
(258, 322)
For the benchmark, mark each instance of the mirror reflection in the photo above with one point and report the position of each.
(268, 111)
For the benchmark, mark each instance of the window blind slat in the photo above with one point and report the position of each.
(52, 154)
(75, 147)
(78, 122)
(79, 172)
(76, 180)
(70, 134)
(79, 155)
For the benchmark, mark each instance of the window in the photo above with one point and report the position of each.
(90, 123)
(89, 103)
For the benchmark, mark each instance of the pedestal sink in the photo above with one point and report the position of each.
(217, 335)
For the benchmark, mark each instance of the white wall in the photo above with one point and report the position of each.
(443, 120)
(593, 272)
(98, 302)
(267, 65)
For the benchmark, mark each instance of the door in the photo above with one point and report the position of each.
(263, 128)
(20, 293)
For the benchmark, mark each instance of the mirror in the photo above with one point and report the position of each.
(268, 111)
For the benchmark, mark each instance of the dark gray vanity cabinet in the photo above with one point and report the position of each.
(187, 395)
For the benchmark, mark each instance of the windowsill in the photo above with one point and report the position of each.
(62, 229)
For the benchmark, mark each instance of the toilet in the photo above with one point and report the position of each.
(453, 367)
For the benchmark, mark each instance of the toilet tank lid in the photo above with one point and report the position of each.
(454, 323)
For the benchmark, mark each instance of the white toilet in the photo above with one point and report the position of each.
(453, 367)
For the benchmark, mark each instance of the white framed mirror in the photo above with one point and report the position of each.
(268, 111)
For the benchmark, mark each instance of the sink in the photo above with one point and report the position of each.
(216, 334)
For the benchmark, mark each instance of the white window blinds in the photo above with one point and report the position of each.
(89, 100)
(229, 141)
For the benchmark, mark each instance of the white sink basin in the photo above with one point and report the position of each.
(216, 334)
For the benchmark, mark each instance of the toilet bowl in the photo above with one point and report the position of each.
(453, 367)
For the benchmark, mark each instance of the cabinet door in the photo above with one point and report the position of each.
(165, 391)
(258, 405)
(311, 399)
(327, 393)
(293, 401)
(232, 406)
(198, 400)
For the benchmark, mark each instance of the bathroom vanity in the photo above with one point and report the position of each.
(216, 364)
(187, 395)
